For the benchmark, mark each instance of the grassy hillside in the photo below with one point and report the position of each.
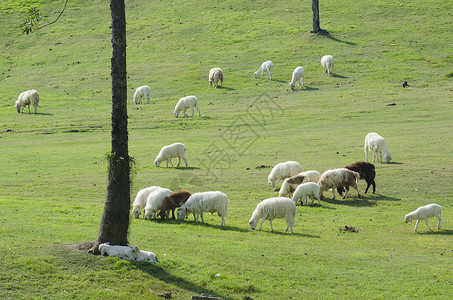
(54, 172)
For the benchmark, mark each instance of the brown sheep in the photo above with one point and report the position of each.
(173, 201)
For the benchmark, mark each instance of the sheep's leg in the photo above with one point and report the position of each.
(193, 111)
(276, 183)
(416, 225)
(346, 192)
(201, 215)
(223, 221)
(426, 221)
(270, 222)
(439, 220)
(173, 213)
(333, 193)
(262, 221)
(304, 199)
(196, 218)
(319, 200)
(179, 161)
(185, 160)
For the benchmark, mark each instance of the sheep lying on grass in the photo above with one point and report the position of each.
(274, 208)
(140, 200)
(376, 143)
(307, 189)
(205, 202)
(267, 66)
(168, 152)
(423, 213)
(185, 103)
(25, 99)
(298, 75)
(283, 170)
(142, 92)
(327, 64)
(215, 74)
(120, 251)
(337, 178)
(154, 202)
(146, 256)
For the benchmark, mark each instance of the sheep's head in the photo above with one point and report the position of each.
(136, 212)
(157, 163)
(408, 219)
(17, 107)
(256, 74)
(181, 213)
(135, 250)
(292, 85)
(252, 223)
(175, 113)
(147, 215)
(387, 158)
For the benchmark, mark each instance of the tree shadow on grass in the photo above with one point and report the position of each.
(289, 234)
(338, 40)
(305, 88)
(160, 273)
(381, 197)
(225, 227)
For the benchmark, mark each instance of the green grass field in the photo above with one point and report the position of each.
(54, 171)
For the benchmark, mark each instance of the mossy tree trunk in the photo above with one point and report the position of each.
(115, 219)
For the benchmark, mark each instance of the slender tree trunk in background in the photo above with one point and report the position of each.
(115, 219)
(316, 25)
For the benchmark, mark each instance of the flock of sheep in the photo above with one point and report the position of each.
(297, 185)
(155, 201)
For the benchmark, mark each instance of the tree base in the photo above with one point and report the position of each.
(320, 32)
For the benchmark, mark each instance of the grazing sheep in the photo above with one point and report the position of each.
(215, 74)
(376, 143)
(154, 202)
(327, 64)
(25, 99)
(173, 201)
(120, 251)
(168, 152)
(205, 202)
(274, 208)
(146, 256)
(185, 103)
(423, 213)
(307, 189)
(366, 171)
(336, 178)
(290, 184)
(298, 75)
(140, 200)
(283, 170)
(142, 92)
(267, 66)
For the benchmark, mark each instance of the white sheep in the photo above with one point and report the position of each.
(307, 189)
(140, 200)
(154, 202)
(298, 75)
(25, 99)
(283, 170)
(274, 208)
(142, 92)
(205, 202)
(146, 256)
(215, 74)
(185, 103)
(338, 178)
(125, 252)
(327, 64)
(376, 143)
(170, 151)
(290, 184)
(267, 66)
(423, 213)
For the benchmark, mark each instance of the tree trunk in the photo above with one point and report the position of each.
(316, 25)
(115, 218)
